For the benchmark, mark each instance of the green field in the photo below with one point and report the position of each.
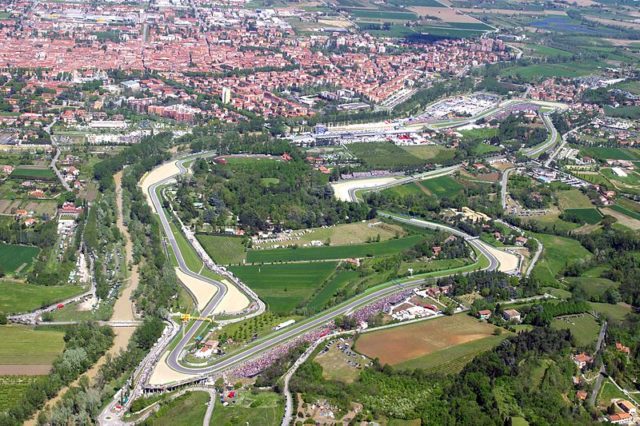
(590, 215)
(557, 253)
(584, 328)
(443, 185)
(384, 155)
(603, 153)
(33, 173)
(547, 51)
(12, 389)
(191, 258)
(608, 392)
(384, 15)
(429, 3)
(592, 287)
(262, 408)
(332, 252)
(412, 188)
(625, 211)
(541, 71)
(29, 346)
(17, 297)
(480, 134)
(223, 250)
(632, 86)
(615, 312)
(338, 281)
(573, 199)
(432, 153)
(484, 148)
(15, 257)
(186, 410)
(552, 220)
(285, 286)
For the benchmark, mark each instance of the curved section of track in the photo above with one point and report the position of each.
(271, 341)
(221, 288)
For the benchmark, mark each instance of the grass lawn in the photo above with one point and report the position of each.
(480, 133)
(443, 185)
(224, 250)
(14, 257)
(190, 256)
(285, 286)
(332, 252)
(615, 312)
(262, 408)
(384, 155)
(609, 391)
(447, 342)
(335, 365)
(573, 199)
(412, 188)
(16, 297)
(186, 410)
(592, 287)
(29, 346)
(557, 253)
(584, 328)
(433, 153)
(484, 148)
(552, 220)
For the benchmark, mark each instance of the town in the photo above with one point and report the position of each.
(319, 212)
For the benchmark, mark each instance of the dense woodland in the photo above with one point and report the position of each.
(515, 132)
(470, 397)
(264, 193)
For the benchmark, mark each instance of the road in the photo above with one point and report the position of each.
(552, 140)
(603, 371)
(503, 187)
(54, 160)
(210, 406)
(562, 144)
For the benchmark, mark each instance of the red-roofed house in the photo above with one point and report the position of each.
(620, 419)
(484, 314)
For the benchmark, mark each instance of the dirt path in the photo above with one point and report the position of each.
(123, 309)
